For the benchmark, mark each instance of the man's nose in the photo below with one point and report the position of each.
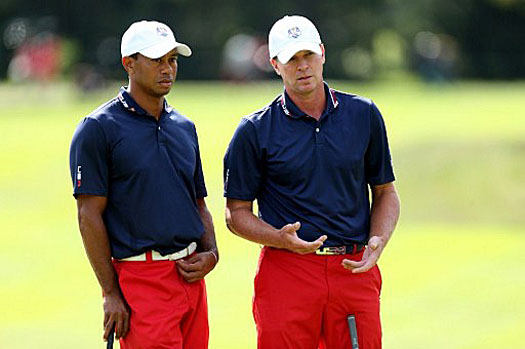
(302, 64)
(167, 68)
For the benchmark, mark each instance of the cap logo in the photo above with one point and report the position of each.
(162, 31)
(294, 32)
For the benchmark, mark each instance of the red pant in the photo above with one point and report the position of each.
(166, 311)
(302, 301)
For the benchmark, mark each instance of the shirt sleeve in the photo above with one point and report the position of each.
(198, 177)
(378, 162)
(242, 164)
(88, 159)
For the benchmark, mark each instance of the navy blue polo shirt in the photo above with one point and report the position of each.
(314, 172)
(149, 170)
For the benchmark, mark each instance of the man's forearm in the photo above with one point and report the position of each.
(244, 223)
(384, 214)
(208, 241)
(96, 243)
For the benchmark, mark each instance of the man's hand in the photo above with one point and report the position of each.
(116, 314)
(370, 256)
(291, 242)
(197, 266)
(383, 219)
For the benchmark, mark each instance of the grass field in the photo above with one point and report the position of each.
(453, 272)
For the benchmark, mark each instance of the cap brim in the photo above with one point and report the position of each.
(159, 50)
(288, 52)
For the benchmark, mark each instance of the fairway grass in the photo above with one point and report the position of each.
(453, 272)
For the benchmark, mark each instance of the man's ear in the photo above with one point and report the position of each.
(273, 62)
(323, 50)
(127, 63)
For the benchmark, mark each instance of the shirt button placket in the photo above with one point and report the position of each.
(160, 135)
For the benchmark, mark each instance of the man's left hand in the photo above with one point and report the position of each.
(370, 256)
(197, 266)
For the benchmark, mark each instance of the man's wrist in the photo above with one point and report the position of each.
(378, 240)
(112, 292)
(277, 240)
(215, 255)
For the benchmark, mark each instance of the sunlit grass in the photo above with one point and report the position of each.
(452, 273)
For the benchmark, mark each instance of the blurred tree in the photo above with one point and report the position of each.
(494, 40)
(488, 34)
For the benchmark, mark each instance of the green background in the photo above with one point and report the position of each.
(453, 272)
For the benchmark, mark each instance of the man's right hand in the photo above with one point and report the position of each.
(116, 313)
(290, 240)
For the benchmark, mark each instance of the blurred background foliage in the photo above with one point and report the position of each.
(437, 40)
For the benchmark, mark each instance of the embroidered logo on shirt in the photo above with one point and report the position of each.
(283, 105)
(124, 103)
(79, 176)
(226, 180)
(335, 102)
(294, 32)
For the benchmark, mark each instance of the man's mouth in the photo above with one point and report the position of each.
(166, 82)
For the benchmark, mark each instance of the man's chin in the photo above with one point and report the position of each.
(306, 88)
(161, 92)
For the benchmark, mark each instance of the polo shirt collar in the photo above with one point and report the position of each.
(129, 103)
(290, 109)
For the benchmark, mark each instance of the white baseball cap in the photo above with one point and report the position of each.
(151, 39)
(292, 34)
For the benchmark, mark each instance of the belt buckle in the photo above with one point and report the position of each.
(331, 250)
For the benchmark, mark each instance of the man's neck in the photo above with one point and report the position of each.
(313, 104)
(153, 105)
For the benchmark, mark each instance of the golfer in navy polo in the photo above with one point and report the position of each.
(138, 181)
(309, 158)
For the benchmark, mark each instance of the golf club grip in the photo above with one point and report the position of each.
(111, 338)
(353, 331)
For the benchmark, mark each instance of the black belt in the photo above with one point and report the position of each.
(337, 250)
